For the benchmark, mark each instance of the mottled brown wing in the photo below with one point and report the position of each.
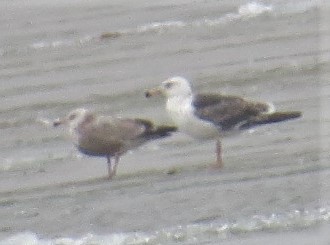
(226, 111)
(107, 135)
(121, 128)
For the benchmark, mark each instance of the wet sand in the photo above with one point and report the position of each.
(275, 184)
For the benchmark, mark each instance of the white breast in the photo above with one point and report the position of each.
(182, 113)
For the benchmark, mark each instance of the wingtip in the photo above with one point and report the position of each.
(166, 130)
(296, 114)
(271, 118)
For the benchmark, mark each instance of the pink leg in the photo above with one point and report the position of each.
(218, 151)
(110, 172)
(117, 158)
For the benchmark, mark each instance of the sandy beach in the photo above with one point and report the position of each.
(103, 56)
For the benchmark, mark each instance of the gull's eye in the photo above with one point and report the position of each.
(168, 85)
(72, 116)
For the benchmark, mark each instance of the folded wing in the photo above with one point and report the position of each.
(227, 111)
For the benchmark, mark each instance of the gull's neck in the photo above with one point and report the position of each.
(77, 127)
(179, 107)
(176, 101)
(182, 112)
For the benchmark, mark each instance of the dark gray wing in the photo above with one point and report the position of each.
(226, 111)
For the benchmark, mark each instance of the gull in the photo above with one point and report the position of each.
(213, 116)
(111, 137)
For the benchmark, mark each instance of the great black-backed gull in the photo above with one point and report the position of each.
(108, 136)
(214, 115)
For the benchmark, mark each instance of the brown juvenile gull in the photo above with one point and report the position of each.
(108, 136)
(204, 116)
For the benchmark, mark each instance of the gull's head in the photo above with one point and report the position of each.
(73, 118)
(172, 87)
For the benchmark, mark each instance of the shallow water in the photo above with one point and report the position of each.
(103, 55)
